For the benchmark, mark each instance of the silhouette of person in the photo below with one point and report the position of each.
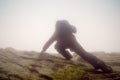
(64, 35)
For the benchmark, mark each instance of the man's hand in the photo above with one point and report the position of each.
(42, 52)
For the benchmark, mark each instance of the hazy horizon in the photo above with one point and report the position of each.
(28, 24)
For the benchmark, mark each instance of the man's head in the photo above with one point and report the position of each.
(62, 23)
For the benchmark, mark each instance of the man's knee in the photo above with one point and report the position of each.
(59, 48)
(67, 55)
(63, 51)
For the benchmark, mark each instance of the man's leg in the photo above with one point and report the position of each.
(61, 49)
(93, 60)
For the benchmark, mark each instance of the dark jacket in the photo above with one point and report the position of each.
(62, 34)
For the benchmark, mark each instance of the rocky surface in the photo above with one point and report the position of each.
(30, 65)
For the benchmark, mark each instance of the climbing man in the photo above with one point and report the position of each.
(64, 35)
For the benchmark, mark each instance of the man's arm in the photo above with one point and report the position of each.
(49, 42)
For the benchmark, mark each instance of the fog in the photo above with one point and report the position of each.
(28, 24)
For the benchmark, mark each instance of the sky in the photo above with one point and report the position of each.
(28, 24)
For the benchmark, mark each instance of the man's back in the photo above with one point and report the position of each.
(64, 31)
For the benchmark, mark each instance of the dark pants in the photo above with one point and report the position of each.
(73, 45)
(62, 50)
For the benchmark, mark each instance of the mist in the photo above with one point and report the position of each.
(28, 24)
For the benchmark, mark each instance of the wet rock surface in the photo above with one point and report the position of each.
(30, 65)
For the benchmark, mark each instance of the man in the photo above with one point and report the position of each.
(64, 35)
